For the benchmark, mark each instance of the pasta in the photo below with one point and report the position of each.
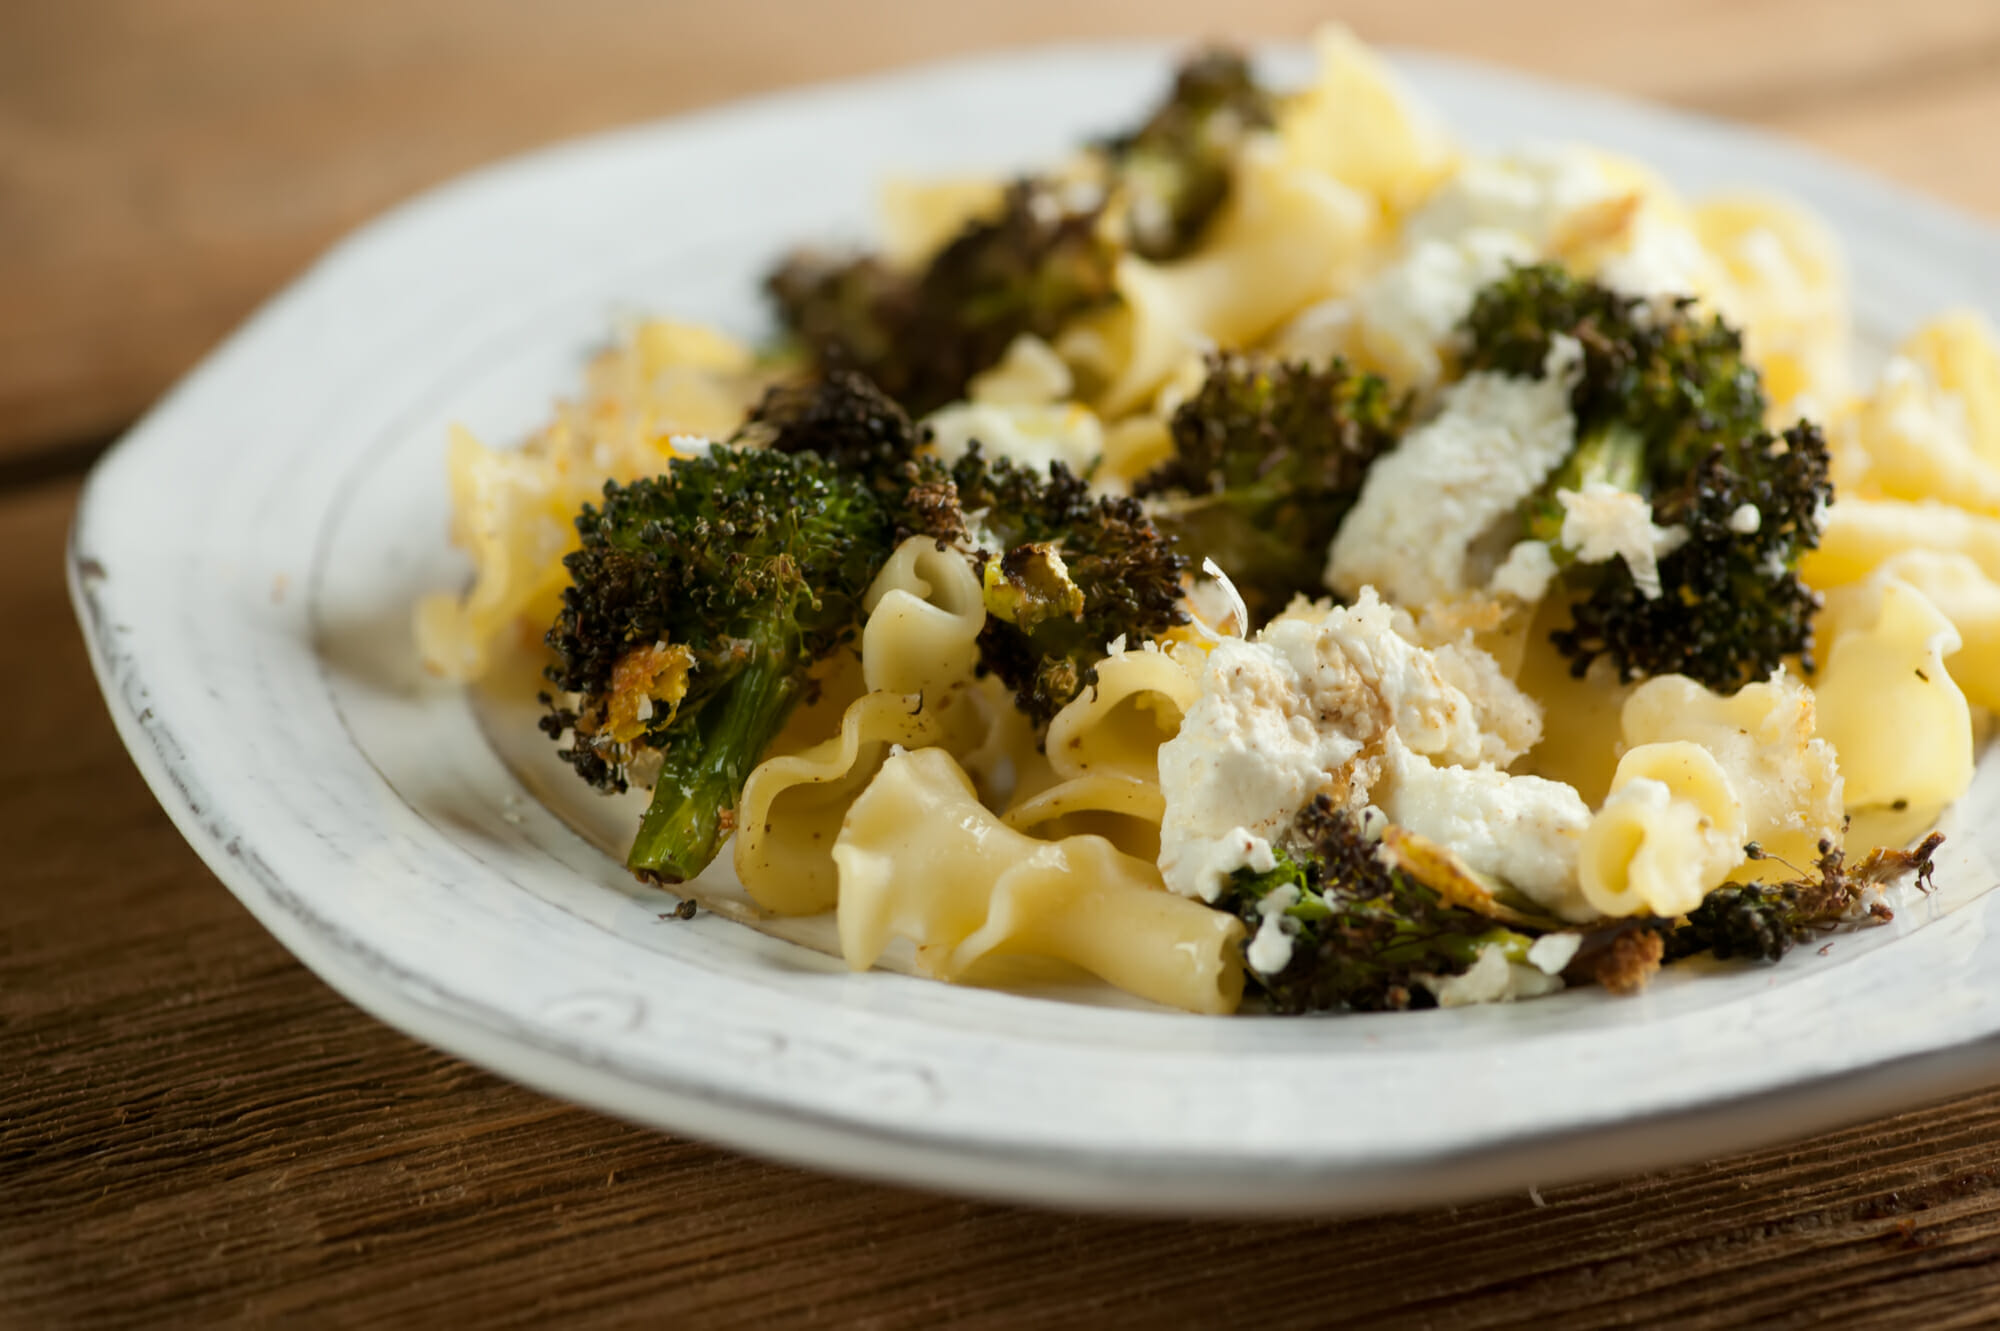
(1890, 709)
(1289, 225)
(794, 804)
(1670, 830)
(921, 858)
(1765, 738)
(1103, 753)
(1514, 729)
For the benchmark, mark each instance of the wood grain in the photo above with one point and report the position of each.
(166, 164)
(194, 1129)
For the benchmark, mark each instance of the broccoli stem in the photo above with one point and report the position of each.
(694, 800)
(1614, 455)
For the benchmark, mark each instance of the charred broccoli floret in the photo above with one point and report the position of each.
(842, 416)
(1658, 390)
(1175, 169)
(1363, 934)
(1731, 604)
(1036, 264)
(1064, 574)
(1268, 457)
(1764, 920)
(697, 603)
(845, 419)
(921, 336)
(1668, 408)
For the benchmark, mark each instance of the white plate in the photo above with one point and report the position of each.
(244, 563)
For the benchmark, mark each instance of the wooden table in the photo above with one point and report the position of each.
(193, 1128)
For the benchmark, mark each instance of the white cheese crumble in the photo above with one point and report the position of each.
(1602, 522)
(1408, 312)
(1532, 194)
(1551, 954)
(1425, 505)
(1031, 435)
(1271, 950)
(1492, 979)
(1526, 572)
(1660, 258)
(1510, 722)
(1746, 520)
(1288, 715)
(1524, 830)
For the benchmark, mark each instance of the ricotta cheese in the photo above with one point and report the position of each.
(1271, 950)
(1602, 522)
(1493, 978)
(1451, 480)
(1526, 572)
(1523, 830)
(1301, 709)
(1407, 313)
(1532, 194)
(1660, 258)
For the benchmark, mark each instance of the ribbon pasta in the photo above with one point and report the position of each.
(1277, 248)
(1670, 830)
(1764, 737)
(1103, 754)
(921, 858)
(1892, 711)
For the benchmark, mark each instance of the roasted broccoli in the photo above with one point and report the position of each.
(1667, 407)
(1363, 935)
(844, 418)
(1731, 605)
(1268, 457)
(1764, 920)
(1174, 171)
(921, 336)
(1040, 261)
(1064, 572)
(697, 603)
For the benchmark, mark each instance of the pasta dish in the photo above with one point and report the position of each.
(1275, 557)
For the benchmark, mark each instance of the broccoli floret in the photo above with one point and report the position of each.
(1731, 603)
(1365, 933)
(1765, 920)
(697, 603)
(1268, 457)
(1065, 573)
(1175, 169)
(1667, 407)
(922, 336)
(844, 418)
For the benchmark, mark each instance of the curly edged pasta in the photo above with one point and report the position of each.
(921, 858)
(1100, 767)
(1891, 710)
(793, 804)
(1671, 829)
(1766, 738)
(652, 397)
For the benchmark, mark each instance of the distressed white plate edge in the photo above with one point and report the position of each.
(221, 821)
